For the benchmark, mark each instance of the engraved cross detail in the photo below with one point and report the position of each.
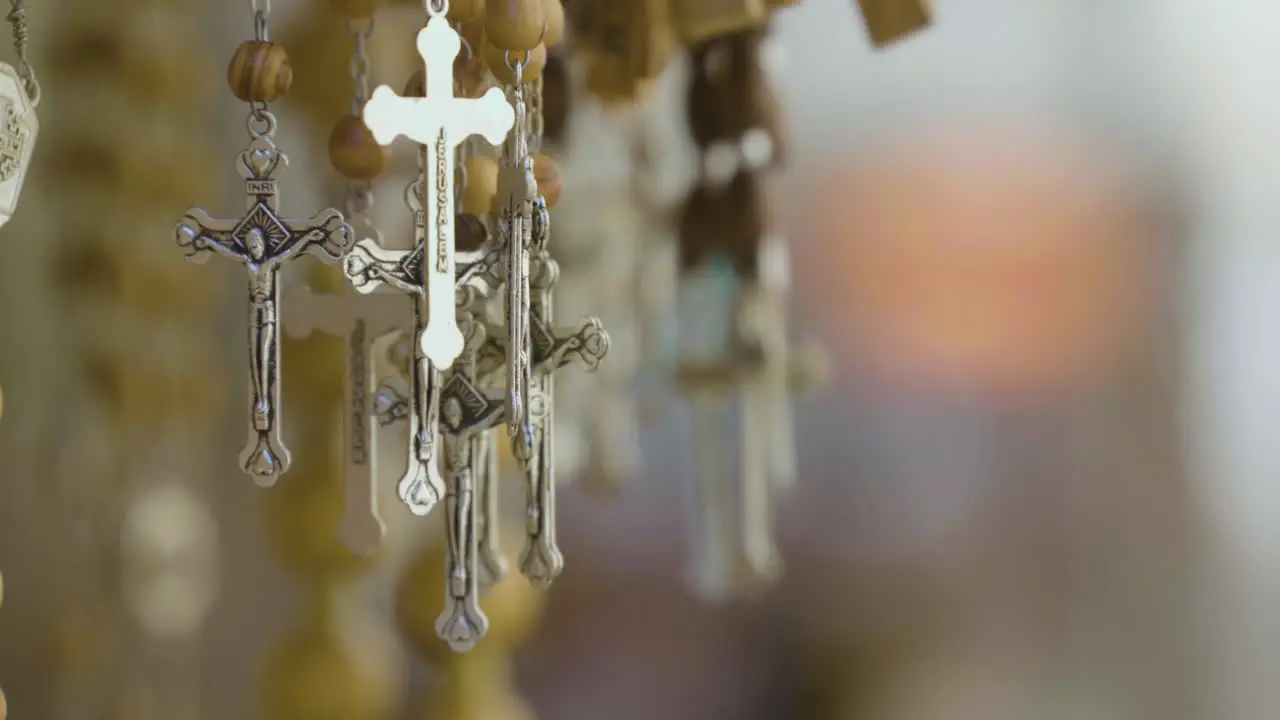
(262, 241)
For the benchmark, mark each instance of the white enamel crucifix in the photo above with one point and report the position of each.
(440, 122)
(361, 319)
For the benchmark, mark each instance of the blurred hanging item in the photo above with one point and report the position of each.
(263, 240)
(732, 307)
(365, 322)
(19, 97)
(732, 272)
(468, 375)
(889, 21)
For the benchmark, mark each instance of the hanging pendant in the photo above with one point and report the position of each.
(17, 138)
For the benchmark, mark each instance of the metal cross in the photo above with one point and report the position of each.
(263, 241)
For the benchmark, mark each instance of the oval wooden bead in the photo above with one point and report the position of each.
(465, 11)
(470, 232)
(611, 81)
(482, 185)
(469, 79)
(4, 706)
(259, 72)
(496, 59)
(357, 9)
(553, 14)
(516, 25)
(547, 173)
(354, 153)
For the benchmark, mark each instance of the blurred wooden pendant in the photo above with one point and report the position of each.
(889, 21)
(732, 307)
(19, 96)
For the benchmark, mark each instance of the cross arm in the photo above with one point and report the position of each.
(325, 235)
(490, 116)
(202, 235)
(369, 265)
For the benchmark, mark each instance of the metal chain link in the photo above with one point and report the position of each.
(17, 17)
(536, 122)
(358, 205)
(360, 31)
(262, 124)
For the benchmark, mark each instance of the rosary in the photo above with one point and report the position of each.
(466, 309)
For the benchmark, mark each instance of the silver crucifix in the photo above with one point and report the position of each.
(370, 266)
(263, 241)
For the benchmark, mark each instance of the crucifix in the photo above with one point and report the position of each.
(263, 241)
(362, 320)
(440, 122)
(550, 349)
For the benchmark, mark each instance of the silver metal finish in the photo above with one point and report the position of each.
(19, 127)
(263, 241)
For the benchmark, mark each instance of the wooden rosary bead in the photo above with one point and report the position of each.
(555, 98)
(547, 173)
(354, 153)
(553, 13)
(888, 21)
(482, 184)
(470, 232)
(728, 90)
(469, 79)
(465, 11)
(259, 72)
(4, 706)
(496, 60)
(638, 33)
(357, 9)
(727, 222)
(515, 25)
(699, 20)
(611, 81)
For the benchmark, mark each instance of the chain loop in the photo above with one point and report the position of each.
(261, 122)
(358, 204)
(436, 8)
(17, 17)
(361, 66)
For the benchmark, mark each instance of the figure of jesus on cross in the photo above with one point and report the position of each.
(440, 122)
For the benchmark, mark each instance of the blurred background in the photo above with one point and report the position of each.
(1042, 484)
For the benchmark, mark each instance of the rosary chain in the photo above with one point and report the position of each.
(536, 122)
(262, 124)
(17, 17)
(359, 193)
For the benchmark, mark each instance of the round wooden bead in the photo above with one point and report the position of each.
(469, 79)
(357, 8)
(612, 82)
(553, 13)
(482, 185)
(465, 11)
(259, 71)
(496, 59)
(547, 173)
(514, 24)
(470, 232)
(354, 153)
